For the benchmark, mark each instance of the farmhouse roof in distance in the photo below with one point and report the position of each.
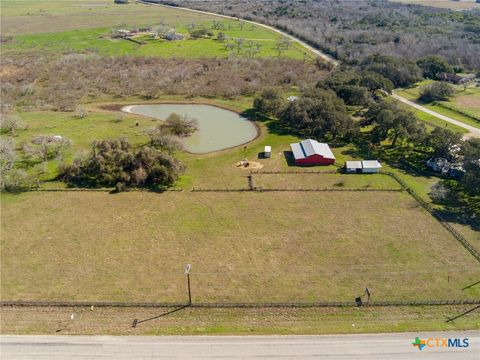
(310, 147)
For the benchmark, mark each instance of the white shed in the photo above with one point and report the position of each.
(371, 166)
(353, 166)
(267, 152)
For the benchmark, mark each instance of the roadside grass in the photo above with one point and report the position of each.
(267, 321)
(432, 121)
(243, 247)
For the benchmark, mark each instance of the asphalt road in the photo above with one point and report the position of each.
(362, 346)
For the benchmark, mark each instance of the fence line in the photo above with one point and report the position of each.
(237, 305)
(259, 189)
(438, 217)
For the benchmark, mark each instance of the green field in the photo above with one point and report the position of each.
(464, 100)
(244, 247)
(47, 32)
(292, 246)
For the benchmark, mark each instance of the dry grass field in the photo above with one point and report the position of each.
(244, 247)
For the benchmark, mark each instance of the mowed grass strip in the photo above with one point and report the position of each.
(244, 247)
(118, 321)
(326, 180)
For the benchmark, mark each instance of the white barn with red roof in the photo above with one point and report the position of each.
(311, 152)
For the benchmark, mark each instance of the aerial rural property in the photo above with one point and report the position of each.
(239, 168)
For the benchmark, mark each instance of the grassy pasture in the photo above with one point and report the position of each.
(243, 247)
(465, 100)
(33, 17)
(43, 27)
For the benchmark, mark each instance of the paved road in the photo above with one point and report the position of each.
(371, 347)
(473, 131)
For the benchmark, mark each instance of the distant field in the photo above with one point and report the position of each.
(64, 26)
(447, 4)
(243, 247)
(99, 40)
(466, 101)
(32, 16)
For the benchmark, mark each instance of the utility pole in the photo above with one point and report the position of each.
(187, 272)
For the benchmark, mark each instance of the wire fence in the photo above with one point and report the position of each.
(237, 305)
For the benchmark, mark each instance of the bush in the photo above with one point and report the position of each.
(164, 140)
(180, 125)
(115, 161)
(46, 147)
(436, 91)
(80, 112)
(10, 123)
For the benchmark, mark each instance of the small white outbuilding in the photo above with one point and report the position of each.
(363, 166)
(267, 152)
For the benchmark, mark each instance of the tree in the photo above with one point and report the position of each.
(239, 44)
(180, 125)
(270, 102)
(374, 81)
(400, 71)
(391, 121)
(442, 141)
(353, 94)
(436, 91)
(7, 155)
(46, 147)
(318, 113)
(433, 65)
(164, 140)
(471, 163)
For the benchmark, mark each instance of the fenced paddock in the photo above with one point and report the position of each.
(244, 247)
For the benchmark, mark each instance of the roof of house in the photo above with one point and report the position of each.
(353, 164)
(309, 147)
(371, 164)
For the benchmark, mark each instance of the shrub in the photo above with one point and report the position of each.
(436, 91)
(80, 112)
(10, 123)
(181, 125)
(115, 161)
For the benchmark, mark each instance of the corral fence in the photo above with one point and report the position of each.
(238, 305)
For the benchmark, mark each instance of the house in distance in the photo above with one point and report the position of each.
(311, 152)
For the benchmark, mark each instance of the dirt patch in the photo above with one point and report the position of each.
(246, 164)
(112, 107)
(469, 102)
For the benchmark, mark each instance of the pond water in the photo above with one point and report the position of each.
(217, 128)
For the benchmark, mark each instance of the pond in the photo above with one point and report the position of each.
(218, 128)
